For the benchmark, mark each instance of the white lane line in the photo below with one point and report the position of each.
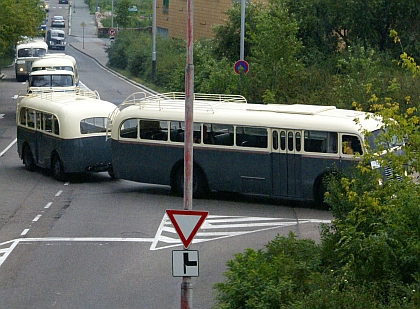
(48, 205)
(59, 193)
(36, 218)
(8, 147)
(25, 231)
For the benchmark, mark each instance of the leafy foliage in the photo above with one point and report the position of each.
(18, 19)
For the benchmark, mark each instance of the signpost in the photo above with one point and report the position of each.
(185, 262)
(83, 24)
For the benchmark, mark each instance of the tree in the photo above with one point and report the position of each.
(19, 18)
(122, 13)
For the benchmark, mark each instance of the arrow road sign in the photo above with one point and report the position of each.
(186, 223)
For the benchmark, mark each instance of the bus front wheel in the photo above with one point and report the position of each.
(200, 185)
(28, 159)
(58, 169)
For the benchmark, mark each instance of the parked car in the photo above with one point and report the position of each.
(58, 21)
(63, 1)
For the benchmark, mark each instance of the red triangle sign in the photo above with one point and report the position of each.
(186, 223)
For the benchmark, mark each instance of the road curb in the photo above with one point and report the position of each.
(115, 73)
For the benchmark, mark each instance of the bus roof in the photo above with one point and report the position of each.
(295, 116)
(51, 72)
(53, 61)
(33, 44)
(69, 107)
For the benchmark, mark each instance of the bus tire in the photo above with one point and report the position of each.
(200, 184)
(57, 168)
(28, 159)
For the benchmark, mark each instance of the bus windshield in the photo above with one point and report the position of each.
(31, 52)
(59, 80)
(373, 138)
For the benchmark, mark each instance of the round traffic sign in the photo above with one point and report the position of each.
(241, 66)
(111, 31)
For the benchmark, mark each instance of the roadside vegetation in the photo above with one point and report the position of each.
(18, 19)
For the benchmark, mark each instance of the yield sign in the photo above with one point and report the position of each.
(186, 223)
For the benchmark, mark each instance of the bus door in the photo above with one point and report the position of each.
(286, 162)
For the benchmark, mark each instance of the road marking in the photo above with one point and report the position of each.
(48, 205)
(36, 218)
(59, 193)
(214, 228)
(219, 227)
(24, 232)
(8, 147)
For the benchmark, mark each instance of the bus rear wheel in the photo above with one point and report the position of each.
(28, 159)
(200, 185)
(58, 169)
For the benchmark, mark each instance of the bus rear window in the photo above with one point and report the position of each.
(93, 125)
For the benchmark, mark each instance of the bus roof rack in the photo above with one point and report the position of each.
(175, 100)
(58, 95)
(299, 109)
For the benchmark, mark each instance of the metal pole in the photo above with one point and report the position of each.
(186, 286)
(112, 14)
(241, 57)
(154, 41)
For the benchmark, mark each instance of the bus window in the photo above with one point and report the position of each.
(154, 130)
(283, 140)
(129, 128)
(31, 118)
(48, 123)
(351, 145)
(39, 121)
(93, 125)
(223, 134)
(275, 140)
(22, 116)
(177, 131)
(251, 137)
(320, 141)
(290, 141)
(56, 126)
(298, 141)
(208, 136)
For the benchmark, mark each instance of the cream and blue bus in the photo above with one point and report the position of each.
(273, 150)
(26, 53)
(54, 72)
(63, 132)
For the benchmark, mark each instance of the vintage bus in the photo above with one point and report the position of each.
(26, 53)
(64, 132)
(272, 150)
(54, 71)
